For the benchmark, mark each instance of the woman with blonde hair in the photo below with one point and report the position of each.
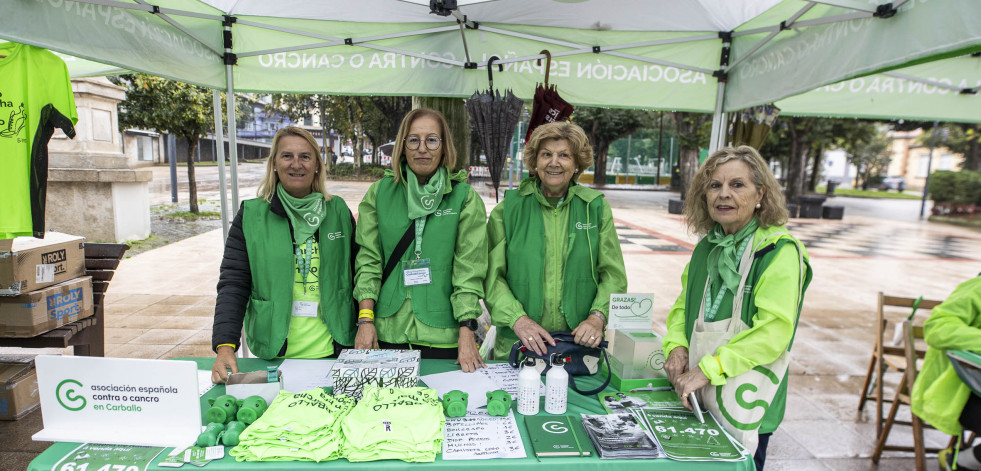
(287, 272)
(731, 329)
(554, 252)
(423, 249)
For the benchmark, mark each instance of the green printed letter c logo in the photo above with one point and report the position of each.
(72, 401)
(753, 410)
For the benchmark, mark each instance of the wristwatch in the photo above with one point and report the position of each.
(470, 323)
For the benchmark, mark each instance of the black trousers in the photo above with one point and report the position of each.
(428, 353)
(971, 414)
(760, 456)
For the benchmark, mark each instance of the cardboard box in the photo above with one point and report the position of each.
(30, 264)
(46, 309)
(18, 387)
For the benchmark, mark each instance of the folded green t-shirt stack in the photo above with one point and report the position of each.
(304, 426)
(394, 423)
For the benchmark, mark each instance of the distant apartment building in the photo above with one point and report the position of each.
(911, 159)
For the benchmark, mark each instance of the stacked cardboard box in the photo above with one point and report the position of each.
(42, 286)
(18, 386)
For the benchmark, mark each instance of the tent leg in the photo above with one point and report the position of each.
(232, 146)
(718, 139)
(220, 152)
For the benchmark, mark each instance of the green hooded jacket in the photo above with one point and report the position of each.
(504, 306)
(469, 264)
(939, 394)
(769, 311)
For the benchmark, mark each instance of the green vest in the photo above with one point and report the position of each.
(524, 232)
(269, 242)
(698, 274)
(430, 303)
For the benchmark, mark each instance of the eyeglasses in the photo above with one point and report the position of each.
(413, 142)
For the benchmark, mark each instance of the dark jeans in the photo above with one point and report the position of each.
(428, 353)
(760, 456)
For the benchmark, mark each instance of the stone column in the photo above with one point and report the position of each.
(92, 192)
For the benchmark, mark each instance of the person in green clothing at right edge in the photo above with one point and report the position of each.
(939, 396)
(731, 329)
(427, 296)
(554, 252)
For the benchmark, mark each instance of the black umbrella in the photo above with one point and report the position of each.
(495, 117)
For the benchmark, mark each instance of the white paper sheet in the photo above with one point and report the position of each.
(204, 382)
(303, 375)
(479, 436)
(505, 377)
(474, 384)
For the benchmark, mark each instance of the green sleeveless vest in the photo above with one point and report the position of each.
(524, 230)
(270, 248)
(698, 274)
(430, 303)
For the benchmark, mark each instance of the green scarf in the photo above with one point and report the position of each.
(424, 199)
(305, 214)
(723, 266)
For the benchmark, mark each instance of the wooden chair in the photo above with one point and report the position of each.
(911, 333)
(87, 335)
(884, 354)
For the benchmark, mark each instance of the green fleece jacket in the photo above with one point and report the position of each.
(771, 328)
(505, 309)
(469, 267)
(939, 394)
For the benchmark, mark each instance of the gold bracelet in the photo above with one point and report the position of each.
(366, 313)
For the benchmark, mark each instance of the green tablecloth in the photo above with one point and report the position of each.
(577, 405)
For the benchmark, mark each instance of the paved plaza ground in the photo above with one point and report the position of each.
(161, 302)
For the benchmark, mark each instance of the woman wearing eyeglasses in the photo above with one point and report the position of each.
(420, 271)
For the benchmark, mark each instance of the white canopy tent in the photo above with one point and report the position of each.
(905, 59)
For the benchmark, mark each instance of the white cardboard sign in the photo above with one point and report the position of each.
(631, 311)
(118, 401)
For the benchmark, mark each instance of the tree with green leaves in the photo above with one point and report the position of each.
(870, 156)
(960, 138)
(604, 126)
(694, 131)
(168, 106)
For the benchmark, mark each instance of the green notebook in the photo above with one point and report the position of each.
(561, 435)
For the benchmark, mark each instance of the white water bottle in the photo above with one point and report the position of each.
(556, 387)
(529, 384)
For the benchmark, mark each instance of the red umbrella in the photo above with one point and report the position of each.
(548, 106)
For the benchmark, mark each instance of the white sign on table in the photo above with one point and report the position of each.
(118, 400)
(631, 311)
(479, 436)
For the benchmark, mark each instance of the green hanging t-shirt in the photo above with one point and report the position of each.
(35, 98)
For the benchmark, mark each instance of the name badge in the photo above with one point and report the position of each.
(305, 308)
(416, 272)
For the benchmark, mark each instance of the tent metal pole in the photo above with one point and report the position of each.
(815, 22)
(232, 146)
(220, 152)
(718, 120)
(934, 83)
(785, 25)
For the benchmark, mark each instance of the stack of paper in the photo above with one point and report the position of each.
(382, 368)
(620, 436)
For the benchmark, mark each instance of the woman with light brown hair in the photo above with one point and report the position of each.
(423, 249)
(554, 252)
(731, 329)
(287, 272)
